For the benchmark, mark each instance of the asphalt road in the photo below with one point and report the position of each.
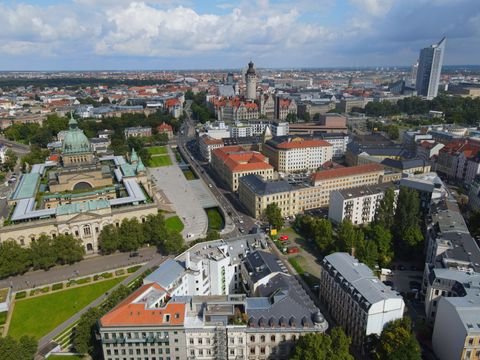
(91, 265)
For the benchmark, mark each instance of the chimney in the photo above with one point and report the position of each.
(187, 260)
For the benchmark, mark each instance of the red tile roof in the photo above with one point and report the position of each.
(296, 143)
(133, 311)
(164, 127)
(208, 140)
(346, 171)
(171, 103)
(239, 160)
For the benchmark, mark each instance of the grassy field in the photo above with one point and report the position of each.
(65, 357)
(296, 263)
(157, 150)
(40, 315)
(174, 223)
(159, 160)
(215, 219)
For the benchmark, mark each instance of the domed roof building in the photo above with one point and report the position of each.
(76, 148)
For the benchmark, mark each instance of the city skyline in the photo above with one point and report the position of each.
(176, 34)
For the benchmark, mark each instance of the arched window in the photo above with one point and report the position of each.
(87, 231)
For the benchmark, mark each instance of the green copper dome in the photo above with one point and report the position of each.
(75, 141)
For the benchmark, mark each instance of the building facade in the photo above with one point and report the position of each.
(230, 163)
(429, 69)
(295, 154)
(137, 132)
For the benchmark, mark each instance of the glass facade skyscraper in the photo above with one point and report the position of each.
(429, 69)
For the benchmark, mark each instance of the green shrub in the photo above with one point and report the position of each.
(132, 269)
(45, 289)
(20, 295)
(106, 275)
(120, 272)
(84, 280)
(3, 317)
(58, 286)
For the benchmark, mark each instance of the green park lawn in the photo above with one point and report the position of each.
(40, 315)
(189, 175)
(159, 160)
(215, 219)
(174, 223)
(157, 150)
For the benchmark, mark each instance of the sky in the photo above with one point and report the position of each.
(226, 34)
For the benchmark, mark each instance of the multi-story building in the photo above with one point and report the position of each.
(230, 163)
(358, 205)
(407, 166)
(339, 142)
(267, 106)
(426, 150)
(295, 154)
(256, 194)
(460, 160)
(429, 186)
(429, 69)
(164, 320)
(283, 107)
(165, 128)
(137, 132)
(206, 144)
(280, 128)
(358, 301)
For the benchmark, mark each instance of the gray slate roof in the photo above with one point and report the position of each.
(261, 187)
(167, 272)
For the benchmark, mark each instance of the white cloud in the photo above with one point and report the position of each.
(374, 7)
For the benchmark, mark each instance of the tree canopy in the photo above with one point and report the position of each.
(21, 349)
(398, 342)
(333, 346)
(274, 216)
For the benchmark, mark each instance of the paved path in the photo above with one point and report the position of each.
(91, 265)
(173, 183)
(44, 341)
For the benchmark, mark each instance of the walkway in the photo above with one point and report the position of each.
(91, 265)
(176, 187)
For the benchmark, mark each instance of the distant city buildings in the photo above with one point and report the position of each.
(429, 69)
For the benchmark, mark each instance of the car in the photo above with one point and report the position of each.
(242, 230)
(293, 250)
(210, 185)
(388, 283)
(283, 237)
(134, 254)
(401, 267)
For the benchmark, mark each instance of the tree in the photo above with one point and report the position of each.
(173, 243)
(108, 240)
(274, 216)
(69, 249)
(154, 230)
(10, 161)
(398, 342)
(393, 132)
(474, 223)
(291, 118)
(23, 349)
(346, 236)
(84, 339)
(323, 234)
(130, 235)
(382, 237)
(367, 252)
(44, 255)
(386, 210)
(406, 229)
(14, 259)
(314, 346)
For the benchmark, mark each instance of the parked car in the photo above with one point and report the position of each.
(283, 237)
(293, 250)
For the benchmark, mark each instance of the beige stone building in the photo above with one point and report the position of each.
(230, 163)
(78, 195)
(295, 154)
(256, 194)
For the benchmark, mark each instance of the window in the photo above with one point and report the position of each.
(272, 338)
(192, 341)
(86, 230)
(252, 350)
(262, 350)
(252, 338)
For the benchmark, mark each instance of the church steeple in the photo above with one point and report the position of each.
(72, 123)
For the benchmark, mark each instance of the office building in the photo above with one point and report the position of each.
(358, 301)
(230, 163)
(294, 154)
(429, 69)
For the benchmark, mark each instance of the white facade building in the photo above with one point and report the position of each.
(358, 205)
(279, 128)
(356, 298)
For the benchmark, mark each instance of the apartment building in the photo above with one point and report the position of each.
(283, 107)
(279, 128)
(358, 205)
(339, 142)
(407, 166)
(295, 154)
(230, 163)
(158, 323)
(358, 301)
(256, 194)
(206, 144)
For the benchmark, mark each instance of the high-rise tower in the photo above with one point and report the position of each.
(251, 81)
(429, 69)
